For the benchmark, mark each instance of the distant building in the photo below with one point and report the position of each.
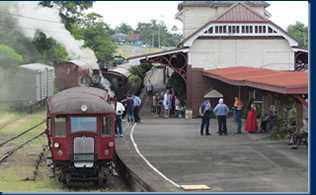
(119, 36)
(134, 39)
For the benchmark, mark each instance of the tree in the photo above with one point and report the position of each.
(124, 28)
(300, 32)
(70, 11)
(95, 33)
(9, 58)
(150, 33)
(51, 51)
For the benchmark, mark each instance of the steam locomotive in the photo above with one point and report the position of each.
(78, 73)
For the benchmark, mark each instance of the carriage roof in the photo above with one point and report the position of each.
(71, 100)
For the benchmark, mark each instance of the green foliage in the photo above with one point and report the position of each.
(300, 32)
(149, 34)
(145, 67)
(124, 28)
(178, 84)
(70, 11)
(13, 37)
(134, 79)
(137, 71)
(279, 130)
(51, 51)
(9, 58)
(95, 32)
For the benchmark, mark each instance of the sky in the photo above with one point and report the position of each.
(283, 13)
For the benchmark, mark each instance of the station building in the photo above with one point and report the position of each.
(232, 49)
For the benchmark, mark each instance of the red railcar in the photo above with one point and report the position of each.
(71, 73)
(80, 130)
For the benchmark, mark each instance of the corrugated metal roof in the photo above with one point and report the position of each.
(284, 82)
(71, 100)
(219, 3)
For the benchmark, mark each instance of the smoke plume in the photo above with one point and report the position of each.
(49, 22)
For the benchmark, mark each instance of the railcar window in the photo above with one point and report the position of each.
(107, 126)
(60, 127)
(83, 124)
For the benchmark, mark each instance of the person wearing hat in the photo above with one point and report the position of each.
(205, 113)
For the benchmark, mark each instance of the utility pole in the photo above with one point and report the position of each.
(153, 41)
(159, 37)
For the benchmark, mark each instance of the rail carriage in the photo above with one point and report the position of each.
(80, 130)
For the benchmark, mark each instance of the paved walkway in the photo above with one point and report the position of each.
(172, 152)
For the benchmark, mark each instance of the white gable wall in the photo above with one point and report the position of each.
(211, 54)
(195, 17)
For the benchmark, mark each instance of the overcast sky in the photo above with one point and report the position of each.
(283, 13)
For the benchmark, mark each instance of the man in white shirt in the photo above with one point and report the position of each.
(119, 112)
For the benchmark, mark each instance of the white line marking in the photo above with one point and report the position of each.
(148, 163)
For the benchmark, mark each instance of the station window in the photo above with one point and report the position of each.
(257, 94)
(107, 126)
(83, 124)
(60, 127)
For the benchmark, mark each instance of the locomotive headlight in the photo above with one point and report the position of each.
(84, 108)
(106, 152)
(111, 144)
(60, 153)
(95, 79)
(56, 145)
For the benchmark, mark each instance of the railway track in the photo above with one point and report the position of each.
(11, 121)
(10, 152)
(29, 129)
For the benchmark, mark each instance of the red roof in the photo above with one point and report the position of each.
(284, 82)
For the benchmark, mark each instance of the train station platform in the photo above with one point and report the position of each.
(170, 154)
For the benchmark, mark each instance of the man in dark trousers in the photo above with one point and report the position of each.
(221, 111)
(205, 113)
(137, 103)
(129, 104)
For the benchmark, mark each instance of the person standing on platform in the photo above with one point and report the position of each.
(149, 88)
(119, 112)
(137, 103)
(205, 113)
(221, 111)
(166, 103)
(129, 104)
(238, 107)
(251, 122)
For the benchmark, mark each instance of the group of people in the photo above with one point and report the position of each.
(221, 111)
(170, 102)
(131, 104)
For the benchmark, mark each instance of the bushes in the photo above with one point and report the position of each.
(280, 130)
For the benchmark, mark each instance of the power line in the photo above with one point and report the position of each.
(34, 29)
(16, 15)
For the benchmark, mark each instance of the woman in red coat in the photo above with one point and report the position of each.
(251, 122)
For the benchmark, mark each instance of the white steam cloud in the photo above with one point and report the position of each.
(50, 24)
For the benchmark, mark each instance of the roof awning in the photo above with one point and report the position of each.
(283, 82)
(156, 54)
